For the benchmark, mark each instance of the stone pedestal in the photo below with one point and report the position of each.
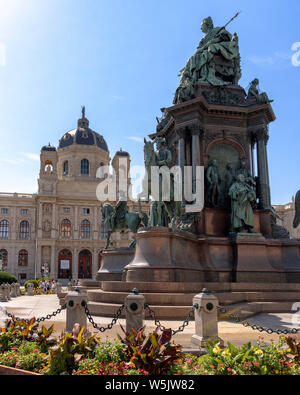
(30, 288)
(206, 320)
(113, 264)
(3, 295)
(75, 310)
(253, 260)
(135, 311)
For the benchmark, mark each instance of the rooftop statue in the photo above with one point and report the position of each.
(254, 93)
(216, 61)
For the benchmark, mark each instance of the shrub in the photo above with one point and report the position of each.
(7, 278)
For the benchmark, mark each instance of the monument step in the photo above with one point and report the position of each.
(247, 310)
(176, 287)
(161, 312)
(171, 299)
(186, 299)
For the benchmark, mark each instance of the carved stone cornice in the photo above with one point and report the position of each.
(261, 135)
(181, 132)
(196, 130)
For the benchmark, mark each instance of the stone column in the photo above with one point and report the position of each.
(39, 261)
(40, 215)
(75, 264)
(13, 234)
(262, 169)
(196, 132)
(76, 230)
(54, 222)
(95, 264)
(181, 132)
(53, 265)
(95, 224)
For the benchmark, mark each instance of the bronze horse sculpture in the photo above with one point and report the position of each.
(121, 221)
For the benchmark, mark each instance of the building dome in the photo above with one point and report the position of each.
(122, 153)
(49, 148)
(83, 135)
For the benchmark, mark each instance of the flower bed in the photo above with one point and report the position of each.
(25, 348)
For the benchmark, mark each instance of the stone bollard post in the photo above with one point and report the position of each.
(13, 293)
(3, 295)
(58, 288)
(18, 286)
(206, 320)
(30, 288)
(8, 290)
(135, 311)
(75, 310)
(70, 287)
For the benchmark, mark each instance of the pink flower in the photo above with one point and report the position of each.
(188, 361)
(255, 363)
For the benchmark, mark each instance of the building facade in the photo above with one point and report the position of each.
(286, 214)
(60, 231)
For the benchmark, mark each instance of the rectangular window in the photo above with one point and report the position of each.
(66, 210)
(4, 211)
(85, 211)
(24, 211)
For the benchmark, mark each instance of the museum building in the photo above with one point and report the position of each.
(59, 231)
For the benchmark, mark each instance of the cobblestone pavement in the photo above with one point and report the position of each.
(40, 306)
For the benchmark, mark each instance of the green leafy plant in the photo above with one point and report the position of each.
(111, 352)
(70, 350)
(7, 278)
(153, 353)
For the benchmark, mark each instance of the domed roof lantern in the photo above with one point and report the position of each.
(83, 122)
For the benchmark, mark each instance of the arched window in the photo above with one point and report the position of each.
(66, 168)
(85, 229)
(23, 258)
(24, 230)
(85, 167)
(103, 231)
(4, 229)
(66, 229)
(4, 258)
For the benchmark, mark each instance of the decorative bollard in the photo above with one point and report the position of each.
(8, 289)
(70, 287)
(30, 288)
(3, 295)
(13, 292)
(135, 311)
(76, 303)
(18, 286)
(206, 320)
(58, 288)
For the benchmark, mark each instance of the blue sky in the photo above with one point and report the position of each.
(121, 58)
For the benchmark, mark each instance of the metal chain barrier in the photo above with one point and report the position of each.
(181, 328)
(42, 319)
(102, 328)
(261, 329)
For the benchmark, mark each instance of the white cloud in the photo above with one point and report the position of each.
(137, 139)
(30, 156)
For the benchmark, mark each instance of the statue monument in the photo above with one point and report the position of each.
(233, 243)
